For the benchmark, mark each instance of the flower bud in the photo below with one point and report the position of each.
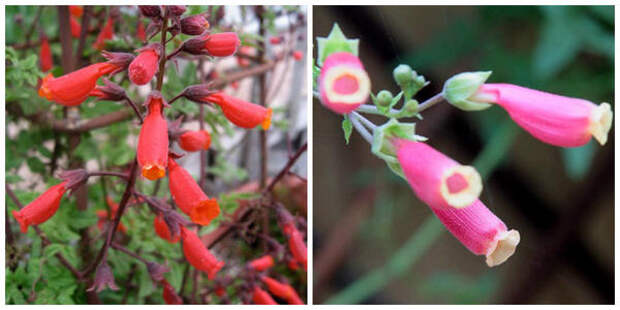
(275, 40)
(150, 11)
(170, 296)
(384, 98)
(42, 208)
(156, 271)
(121, 61)
(195, 140)
(402, 74)
(343, 83)
(194, 25)
(222, 44)
(458, 90)
(145, 65)
(298, 55)
(175, 10)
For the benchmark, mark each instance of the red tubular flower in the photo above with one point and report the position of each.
(106, 33)
(292, 264)
(241, 113)
(76, 10)
(282, 290)
(73, 88)
(42, 208)
(198, 255)
(262, 263)
(275, 40)
(104, 217)
(161, 228)
(298, 247)
(260, 297)
(76, 28)
(220, 291)
(153, 139)
(298, 55)
(170, 296)
(195, 140)
(140, 32)
(189, 197)
(222, 44)
(45, 55)
(234, 85)
(145, 65)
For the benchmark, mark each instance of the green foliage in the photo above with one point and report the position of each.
(455, 288)
(347, 127)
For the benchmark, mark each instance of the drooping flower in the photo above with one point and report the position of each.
(298, 247)
(275, 40)
(451, 191)
(73, 88)
(557, 120)
(162, 230)
(260, 297)
(189, 197)
(105, 217)
(194, 25)
(195, 140)
(76, 10)
(438, 180)
(170, 296)
(145, 65)
(103, 278)
(106, 33)
(241, 113)
(343, 83)
(45, 55)
(198, 255)
(76, 28)
(292, 264)
(262, 263)
(245, 50)
(40, 209)
(284, 291)
(222, 44)
(153, 139)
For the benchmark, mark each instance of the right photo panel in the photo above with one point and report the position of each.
(463, 155)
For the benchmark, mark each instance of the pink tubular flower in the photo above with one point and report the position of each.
(557, 120)
(198, 255)
(451, 191)
(42, 208)
(343, 84)
(436, 179)
(483, 233)
(145, 65)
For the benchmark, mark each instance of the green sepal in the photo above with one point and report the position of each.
(335, 42)
(458, 89)
(413, 87)
(382, 145)
(409, 109)
(347, 127)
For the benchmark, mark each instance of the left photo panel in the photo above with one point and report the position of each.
(156, 154)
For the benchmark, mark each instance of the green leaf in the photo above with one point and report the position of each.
(558, 44)
(347, 127)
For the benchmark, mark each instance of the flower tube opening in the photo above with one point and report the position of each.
(205, 211)
(600, 122)
(505, 245)
(460, 186)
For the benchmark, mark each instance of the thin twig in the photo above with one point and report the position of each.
(286, 168)
(162, 61)
(360, 128)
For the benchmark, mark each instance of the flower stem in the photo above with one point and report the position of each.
(365, 121)
(431, 102)
(162, 61)
(360, 128)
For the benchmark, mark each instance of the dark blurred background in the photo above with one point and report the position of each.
(560, 200)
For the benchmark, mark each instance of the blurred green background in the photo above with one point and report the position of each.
(561, 200)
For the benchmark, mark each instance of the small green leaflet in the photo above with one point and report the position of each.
(347, 127)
